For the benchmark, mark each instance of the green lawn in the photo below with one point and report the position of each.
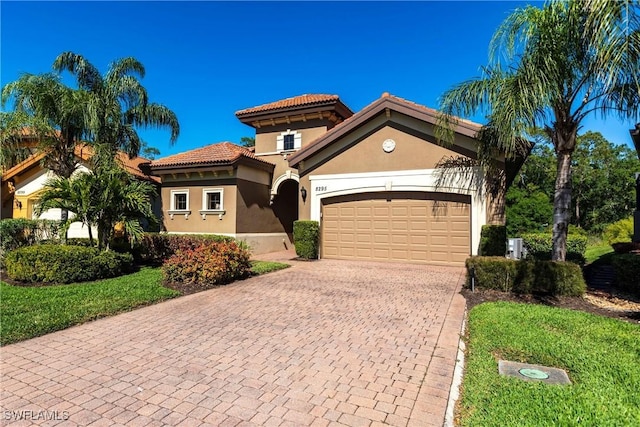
(601, 355)
(593, 253)
(30, 312)
(262, 267)
(27, 312)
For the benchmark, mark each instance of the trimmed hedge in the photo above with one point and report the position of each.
(540, 245)
(19, 232)
(65, 264)
(156, 248)
(526, 276)
(306, 238)
(207, 265)
(627, 267)
(493, 240)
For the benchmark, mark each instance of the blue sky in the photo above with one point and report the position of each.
(206, 60)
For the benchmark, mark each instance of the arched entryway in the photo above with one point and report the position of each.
(285, 204)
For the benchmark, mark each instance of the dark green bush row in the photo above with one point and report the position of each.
(156, 248)
(19, 232)
(306, 238)
(627, 267)
(526, 276)
(65, 264)
(207, 265)
(493, 240)
(540, 245)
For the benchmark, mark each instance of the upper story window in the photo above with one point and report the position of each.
(180, 200)
(289, 141)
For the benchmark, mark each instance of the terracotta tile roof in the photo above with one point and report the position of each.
(138, 166)
(296, 101)
(219, 153)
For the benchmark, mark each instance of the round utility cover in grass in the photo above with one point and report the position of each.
(529, 372)
(535, 374)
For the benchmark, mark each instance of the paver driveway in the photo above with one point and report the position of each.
(321, 343)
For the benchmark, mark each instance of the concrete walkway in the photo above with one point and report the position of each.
(323, 343)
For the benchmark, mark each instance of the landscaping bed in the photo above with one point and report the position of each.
(609, 303)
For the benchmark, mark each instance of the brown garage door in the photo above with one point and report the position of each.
(399, 226)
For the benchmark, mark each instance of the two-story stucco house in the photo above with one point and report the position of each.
(370, 178)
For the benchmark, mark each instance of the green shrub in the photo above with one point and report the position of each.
(540, 245)
(619, 231)
(492, 272)
(493, 240)
(627, 267)
(207, 265)
(527, 276)
(64, 264)
(155, 248)
(20, 232)
(306, 238)
(81, 241)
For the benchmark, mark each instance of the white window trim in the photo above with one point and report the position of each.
(297, 140)
(172, 204)
(205, 192)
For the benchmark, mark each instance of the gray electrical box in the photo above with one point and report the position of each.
(516, 249)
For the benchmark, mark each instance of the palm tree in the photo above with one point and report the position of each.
(121, 198)
(117, 105)
(71, 194)
(49, 111)
(102, 198)
(551, 67)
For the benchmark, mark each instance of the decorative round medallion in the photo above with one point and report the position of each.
(388, 145)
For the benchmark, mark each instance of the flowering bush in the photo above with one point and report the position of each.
(156, 248)
(207, 265)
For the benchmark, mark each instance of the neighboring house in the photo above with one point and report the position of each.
(369, 178)
(23, 184)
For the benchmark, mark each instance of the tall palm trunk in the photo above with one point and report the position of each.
(561, 206)
(564, 140)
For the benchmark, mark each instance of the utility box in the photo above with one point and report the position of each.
(516, 249)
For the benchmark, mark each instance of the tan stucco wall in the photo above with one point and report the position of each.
(254, 214)
(310, 130)
(367, 155)
(194, 223)
(304, 208)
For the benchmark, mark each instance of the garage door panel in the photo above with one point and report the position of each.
(415, 240)
(400, 239)
(381, 238)
(397, 229)
(400, 225)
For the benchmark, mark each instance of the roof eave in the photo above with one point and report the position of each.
(333, 105)
(372, 110)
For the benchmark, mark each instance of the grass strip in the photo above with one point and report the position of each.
(601, 356)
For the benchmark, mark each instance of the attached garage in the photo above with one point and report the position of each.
(376, 186)
(421, 227)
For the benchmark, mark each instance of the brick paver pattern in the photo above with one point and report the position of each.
(320, 344)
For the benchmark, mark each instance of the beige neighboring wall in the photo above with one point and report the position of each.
(194, 222)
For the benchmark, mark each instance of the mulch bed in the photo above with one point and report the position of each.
(627, 312)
